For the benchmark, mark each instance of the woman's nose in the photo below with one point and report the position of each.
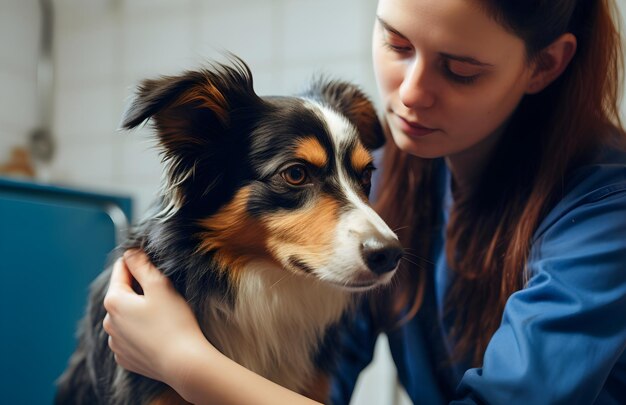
(415, 90)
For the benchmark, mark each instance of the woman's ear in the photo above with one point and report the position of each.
(551, 62)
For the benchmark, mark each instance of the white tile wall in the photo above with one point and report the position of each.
(19, 35)
(84, 162)
(18, 107)
(87, 46)
(89, 111)
(245, 28)
(156, 44)
(323, 29)
(19, 41)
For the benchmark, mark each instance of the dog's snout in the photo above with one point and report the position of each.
(381, 259)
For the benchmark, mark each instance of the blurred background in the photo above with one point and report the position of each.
(67, 69)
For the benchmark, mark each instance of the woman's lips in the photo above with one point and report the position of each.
(412, 128)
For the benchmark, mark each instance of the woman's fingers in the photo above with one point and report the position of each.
(146, 331)
(106, 325)
(141, 268)
(120, 291)
(121, 277)
(138, 264)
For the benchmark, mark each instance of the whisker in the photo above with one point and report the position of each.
(418, 256)
(414, 256)
(400, 228)
(281, 279)
(419, 266)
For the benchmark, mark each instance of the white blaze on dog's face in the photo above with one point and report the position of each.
(348, 243)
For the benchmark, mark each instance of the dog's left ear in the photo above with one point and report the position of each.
(351, 101)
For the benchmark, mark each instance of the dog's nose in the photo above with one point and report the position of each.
(383, 259)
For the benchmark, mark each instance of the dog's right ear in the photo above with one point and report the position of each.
(169, 93)
(194, 109)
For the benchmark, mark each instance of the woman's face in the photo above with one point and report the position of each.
(449, 75)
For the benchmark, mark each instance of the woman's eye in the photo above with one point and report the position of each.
(460, 73)
(396, 47)
(295, 175)
(395, 43)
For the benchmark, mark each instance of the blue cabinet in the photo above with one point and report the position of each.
(53, 243)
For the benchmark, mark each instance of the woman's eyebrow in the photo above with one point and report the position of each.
(389, 28)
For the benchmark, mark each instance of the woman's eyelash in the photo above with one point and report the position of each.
(458, 78)
(395, 48)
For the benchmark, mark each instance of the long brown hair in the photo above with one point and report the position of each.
(491, 227)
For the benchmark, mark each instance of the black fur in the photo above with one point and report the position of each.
(216, 136)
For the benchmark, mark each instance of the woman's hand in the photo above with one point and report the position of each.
(151, 334)
(157, 335)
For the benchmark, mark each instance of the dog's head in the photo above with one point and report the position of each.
(281, 179)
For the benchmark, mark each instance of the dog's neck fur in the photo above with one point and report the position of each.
(277, 324)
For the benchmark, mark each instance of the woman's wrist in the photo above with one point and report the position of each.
(194, 357)
(203, 375)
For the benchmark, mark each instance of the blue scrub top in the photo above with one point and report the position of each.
(562, 338)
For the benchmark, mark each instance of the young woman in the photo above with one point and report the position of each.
(506, 175)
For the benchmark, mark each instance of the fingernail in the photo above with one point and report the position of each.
(130, 253)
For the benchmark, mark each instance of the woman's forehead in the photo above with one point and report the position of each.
(458, 27)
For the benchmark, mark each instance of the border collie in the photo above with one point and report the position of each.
(262, 224)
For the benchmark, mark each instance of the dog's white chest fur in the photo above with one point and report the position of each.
(278, 322)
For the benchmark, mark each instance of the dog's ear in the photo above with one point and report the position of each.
(351, 101)
(192, 111)
(198, 117)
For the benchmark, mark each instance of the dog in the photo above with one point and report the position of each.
(262, 224)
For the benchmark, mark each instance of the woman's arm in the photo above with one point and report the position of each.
(562, 338)
(157, 335)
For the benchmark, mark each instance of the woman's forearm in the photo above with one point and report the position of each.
(223, 381)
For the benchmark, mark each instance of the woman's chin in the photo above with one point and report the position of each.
(415, 147)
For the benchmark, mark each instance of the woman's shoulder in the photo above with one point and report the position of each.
(605, 173)
(581, 243)
(598, 184)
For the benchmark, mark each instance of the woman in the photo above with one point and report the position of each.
(507, 174)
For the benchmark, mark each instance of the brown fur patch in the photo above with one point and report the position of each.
(306, 234)
(233, 235)
(355, 106)
(360, 158)
(362, 113)
(173, 126)
(169, 397)
(310, 150)
(207, 96)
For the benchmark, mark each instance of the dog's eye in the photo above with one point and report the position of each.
(366, 176)
(295, 175)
